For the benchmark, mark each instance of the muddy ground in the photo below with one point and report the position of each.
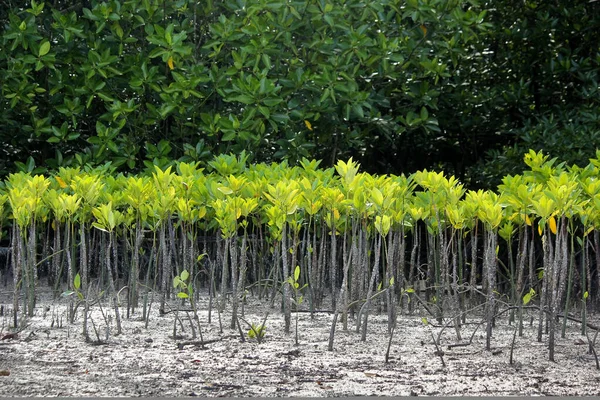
(50, 359)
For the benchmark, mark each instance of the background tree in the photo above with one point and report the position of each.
(463, 86)
(540, 70)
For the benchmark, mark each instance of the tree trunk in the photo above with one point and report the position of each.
(286, 286)
(374, 274)
(111, 279)
(490, 264)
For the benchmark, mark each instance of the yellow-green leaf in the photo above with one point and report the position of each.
(552, 224)
(61, 182)
(184, 275)
(527, 298)
(377, 197)
(44, 49)
(225, 190)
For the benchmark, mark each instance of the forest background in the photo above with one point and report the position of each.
(466, 87)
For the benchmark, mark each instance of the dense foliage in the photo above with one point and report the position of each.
(348, 235)
(398, 85)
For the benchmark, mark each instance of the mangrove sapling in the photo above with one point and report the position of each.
(186, 291)
(212, 285)
(490, 267)
(226, 217)
(257, 332)
(380, 290)
(35, 187)
(243, 271)
(454, 278)
(359, 265)
(442, 269)
(224, 269)
(438, 351)
(432, 274)
(177, 319)
(561, 274)
(284, 202)
(137, 195)
(552, 265)
(107, 220)
(374, 273)
(592, 348)
(294, 282)
(584, 242)
(147, 311)
(85, 299)
(151, 269)
(87, 188)
(55, 272)
(543, 296)
(389, 346)
(235, 298)
(518, 196)
(163, 204)
(107, 321)
(506, 233)
(584, 298)
(596, 255)
(403, 293)
(255, 247)
(523, 244)
(390, 275)
(165, 257)
(346, 262)
(471, 207)
(21, 218)
(286, 297)
(333, 262)
(415, 256)
(332, 202)
(75, 289)
(321, 264)
(571, 267)
(490, 213)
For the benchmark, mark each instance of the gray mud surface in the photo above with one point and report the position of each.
(52, 360)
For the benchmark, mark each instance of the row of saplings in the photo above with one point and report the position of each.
(296, 233)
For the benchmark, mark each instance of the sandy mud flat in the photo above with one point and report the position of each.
(46, 359)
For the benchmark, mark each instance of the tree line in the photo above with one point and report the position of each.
(461, 86)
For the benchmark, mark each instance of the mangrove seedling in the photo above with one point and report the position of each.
(186, 291)
(257, 332)
(294, 282)
(78, 291)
